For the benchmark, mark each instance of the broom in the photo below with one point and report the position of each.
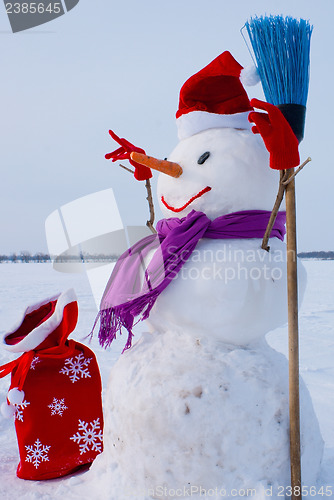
(282, 51)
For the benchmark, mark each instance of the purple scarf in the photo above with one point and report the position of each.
(132, 288)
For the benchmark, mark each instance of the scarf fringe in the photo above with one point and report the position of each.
(110, 325)
(114, 319)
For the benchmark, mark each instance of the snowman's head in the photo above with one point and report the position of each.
(219, 165)
(224, 170)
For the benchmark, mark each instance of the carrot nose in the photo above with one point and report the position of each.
(164, 166)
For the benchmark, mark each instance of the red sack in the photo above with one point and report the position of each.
(55, 391)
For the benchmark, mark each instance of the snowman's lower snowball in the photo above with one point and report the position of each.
(206, 416)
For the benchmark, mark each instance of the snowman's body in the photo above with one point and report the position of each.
(232, 290)
(202, 400)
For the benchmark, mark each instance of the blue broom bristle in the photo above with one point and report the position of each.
(282, 51)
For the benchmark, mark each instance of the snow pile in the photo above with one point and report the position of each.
(183, 413)
(24, 284)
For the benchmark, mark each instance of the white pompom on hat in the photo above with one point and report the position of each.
(249, 76)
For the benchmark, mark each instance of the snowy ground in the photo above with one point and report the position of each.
(24, 284)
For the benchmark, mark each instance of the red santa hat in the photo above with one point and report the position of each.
(49, 321)
(213, 98)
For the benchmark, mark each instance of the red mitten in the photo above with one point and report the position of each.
(277, 135)
(142, 173)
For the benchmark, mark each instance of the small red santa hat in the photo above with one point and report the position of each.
(44, 324)
(213, 98)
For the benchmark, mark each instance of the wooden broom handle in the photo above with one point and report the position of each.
(294, 407)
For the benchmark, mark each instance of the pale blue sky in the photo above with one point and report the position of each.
(120, 65)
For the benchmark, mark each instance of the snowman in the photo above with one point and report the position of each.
(198, 406)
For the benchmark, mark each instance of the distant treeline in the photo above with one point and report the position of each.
(317, 255)
(26, 257)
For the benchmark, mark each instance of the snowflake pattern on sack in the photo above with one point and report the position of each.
(19, 409)
(76, 367)
(90, 437)
(57, 407)
(37, 453)
(34, 362)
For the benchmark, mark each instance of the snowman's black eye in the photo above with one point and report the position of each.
(203, 157)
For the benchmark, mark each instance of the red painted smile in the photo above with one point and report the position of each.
(198, 195)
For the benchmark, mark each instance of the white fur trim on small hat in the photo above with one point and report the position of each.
(196, 121)
(41, 332)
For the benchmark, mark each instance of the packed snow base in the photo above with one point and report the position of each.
(220, 416)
